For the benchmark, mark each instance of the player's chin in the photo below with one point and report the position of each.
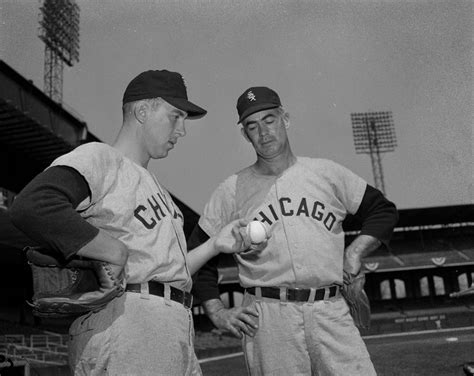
(170, 146)
(163, 151)
(160, 154)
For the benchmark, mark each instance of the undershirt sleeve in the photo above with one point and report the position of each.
(378, 215)
(205, 286)
(45, 210)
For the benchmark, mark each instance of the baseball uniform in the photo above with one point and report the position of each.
(305, 207)
(128, 203)
(110, 197)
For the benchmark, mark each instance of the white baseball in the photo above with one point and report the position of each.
(256, 231)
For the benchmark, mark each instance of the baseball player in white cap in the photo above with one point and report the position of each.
(101, 202)
(293, 320)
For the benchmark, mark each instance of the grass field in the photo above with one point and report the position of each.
(440, 353)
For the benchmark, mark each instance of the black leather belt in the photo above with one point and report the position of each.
(295, 295)
(158, 289)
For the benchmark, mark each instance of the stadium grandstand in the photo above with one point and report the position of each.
(409, 285)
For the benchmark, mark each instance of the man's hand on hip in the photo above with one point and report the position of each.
(236, 320)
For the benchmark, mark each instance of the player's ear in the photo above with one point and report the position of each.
(140, 111)
(286, 119)
(242, 130)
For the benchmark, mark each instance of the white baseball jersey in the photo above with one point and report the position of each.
(128, 203)
(304, 206)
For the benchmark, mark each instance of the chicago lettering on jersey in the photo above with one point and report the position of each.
(154, 210)
(287, 208)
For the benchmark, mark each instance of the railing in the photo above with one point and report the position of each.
(40, 349)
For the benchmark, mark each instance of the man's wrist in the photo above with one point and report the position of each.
(213, 306)
(353, 254)
(362, 246)
(212, 244)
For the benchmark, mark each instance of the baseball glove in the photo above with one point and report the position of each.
(357, 300)
(68, 288)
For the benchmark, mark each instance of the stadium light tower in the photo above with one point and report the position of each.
(374, 133)
(59, 30)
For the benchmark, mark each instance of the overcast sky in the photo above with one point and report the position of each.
(326, 59)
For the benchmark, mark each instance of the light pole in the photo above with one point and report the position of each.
(59, 30)
(374, 133)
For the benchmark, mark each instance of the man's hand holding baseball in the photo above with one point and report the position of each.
(233, 238)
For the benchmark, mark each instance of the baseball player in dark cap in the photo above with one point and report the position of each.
(101, 202)
(293, 320)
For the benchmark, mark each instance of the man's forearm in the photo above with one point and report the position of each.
(362, 246)
(200, 255)
(232, 238)
(212, 306)
(105, 248)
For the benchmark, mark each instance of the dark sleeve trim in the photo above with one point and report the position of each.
(205, 286)
(197, 237)
(377, 214)
(45, 210)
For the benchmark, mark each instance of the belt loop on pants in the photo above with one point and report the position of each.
(144, 291)
(167, 295)
(326, 295)
(258, 294)
(312, 295)
(283, 296)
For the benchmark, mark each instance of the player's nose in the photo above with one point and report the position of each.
(262, 129)
(180, 129)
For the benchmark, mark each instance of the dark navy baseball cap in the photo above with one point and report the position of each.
(165, 84)
(255, 99)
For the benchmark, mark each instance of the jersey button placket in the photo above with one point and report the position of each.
(293, 246)
(290, 230)
(298, 251)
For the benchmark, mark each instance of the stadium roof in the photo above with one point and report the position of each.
(34, 129)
